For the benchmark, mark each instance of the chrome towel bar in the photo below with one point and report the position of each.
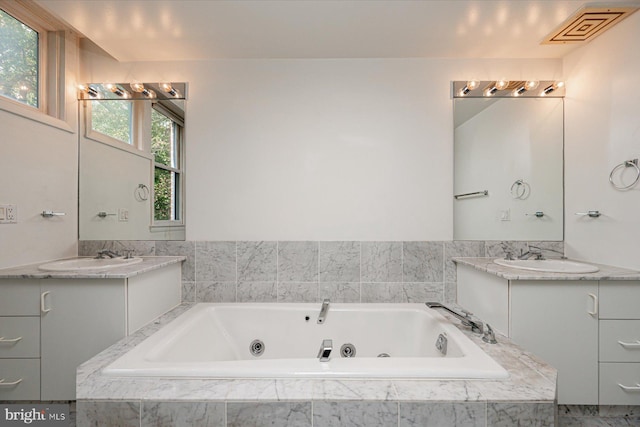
(474, 194)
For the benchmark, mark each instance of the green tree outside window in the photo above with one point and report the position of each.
(18, 60)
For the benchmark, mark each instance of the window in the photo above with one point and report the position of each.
(113, 118)
(19, 60)
(166, 148)
(33, 58)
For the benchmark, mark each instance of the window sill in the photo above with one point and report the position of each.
(114, 143)
(30, 113)
(167, 227)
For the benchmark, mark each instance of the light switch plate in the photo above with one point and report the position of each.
(123, 214)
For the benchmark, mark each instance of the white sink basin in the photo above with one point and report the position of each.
(82, 264)
(548, 265)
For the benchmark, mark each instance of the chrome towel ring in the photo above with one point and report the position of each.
(626, 164)
(141, 193)
(520, 189)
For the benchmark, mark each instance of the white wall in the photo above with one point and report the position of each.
(318, 149)
(512, 139)
(38, 171)
(603, 130)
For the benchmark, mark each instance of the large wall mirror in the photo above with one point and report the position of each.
(508, 168)
(131, 161)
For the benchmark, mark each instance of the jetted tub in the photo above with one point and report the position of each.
(223, 341)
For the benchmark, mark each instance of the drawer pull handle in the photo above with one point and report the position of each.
(594, 312)
(43, 303)
(635, 388)
(3, 384)
(12, 341)
(632, 345)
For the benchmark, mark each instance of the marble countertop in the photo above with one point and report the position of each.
(148, 264)
(530, 379)
(606, 272)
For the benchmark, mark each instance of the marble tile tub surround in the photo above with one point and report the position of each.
(309, 271)
(526, 398)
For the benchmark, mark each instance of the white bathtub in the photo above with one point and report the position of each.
(213, 341)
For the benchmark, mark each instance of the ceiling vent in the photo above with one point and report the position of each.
(587, 24)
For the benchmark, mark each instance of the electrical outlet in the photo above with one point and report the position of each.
(8, 214)
(123, 214)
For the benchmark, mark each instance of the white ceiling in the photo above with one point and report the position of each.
(144, 30)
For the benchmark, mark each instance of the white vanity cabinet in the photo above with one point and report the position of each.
(587, 329)
(556, 320)
(67, 321)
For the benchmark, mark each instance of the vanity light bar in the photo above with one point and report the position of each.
(508, 89)
(139, 91)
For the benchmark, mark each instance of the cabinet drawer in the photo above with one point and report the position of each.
(620, 340)
(19, 297)
(619, 299)
(615, 375)
(27, 372)
(19, 337)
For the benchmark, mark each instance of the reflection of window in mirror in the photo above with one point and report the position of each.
(166, 147)
(113, 119)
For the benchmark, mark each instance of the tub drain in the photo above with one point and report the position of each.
(256, 347)
(348, 350)
(384, 355)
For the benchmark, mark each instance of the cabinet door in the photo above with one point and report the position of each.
(558, 321)
(80, 318)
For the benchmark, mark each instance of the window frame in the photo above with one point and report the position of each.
(178, 122)
(52, 97)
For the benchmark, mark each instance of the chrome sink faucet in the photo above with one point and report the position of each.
(533, 251)
(107, 253)
(323, 311)
(547, 249)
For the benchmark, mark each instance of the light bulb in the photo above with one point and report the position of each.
(531, 84)
(117, 90)
(169, 89)
(473, 84)
(85, 88)
(490, 91)
(137, 87)
(551, 88)
(502, 84)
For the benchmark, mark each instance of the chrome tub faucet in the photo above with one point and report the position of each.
(324, 353)
(323, 311)
(463, 315)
